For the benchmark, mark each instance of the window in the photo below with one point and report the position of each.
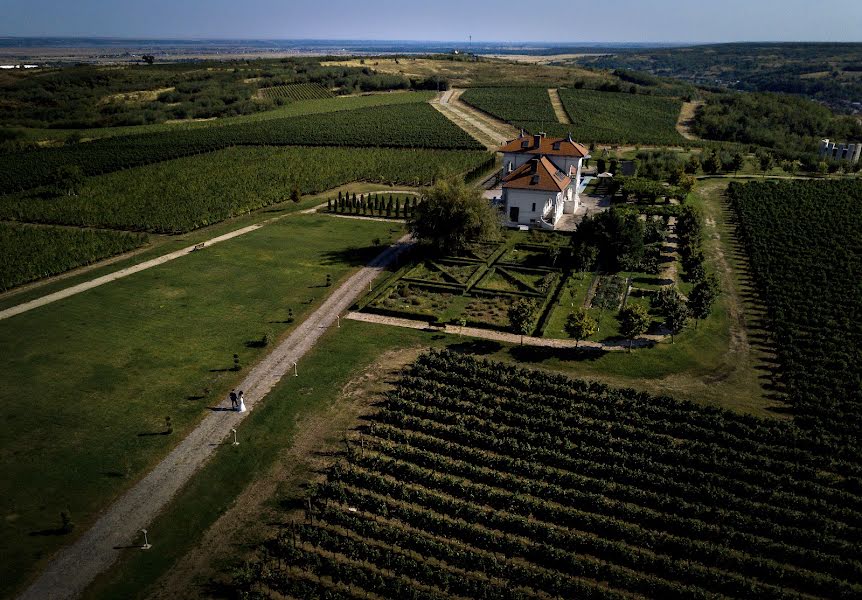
(534, 207)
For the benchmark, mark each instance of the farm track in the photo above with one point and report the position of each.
(557, 103)
(686, 119)
(75, 566)
(643, 341)
(489, 131)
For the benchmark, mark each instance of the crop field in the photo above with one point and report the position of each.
(482, 480)
(413, 125)
(804, 241)
(31, 253)
(292, 109)
(601, 117)
(296, 92)
(192, 192)
(617, 118)
(476, 286)
(515, 105)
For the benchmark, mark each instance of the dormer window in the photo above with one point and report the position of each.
(556, 145)
(534, 180)
(525, 144)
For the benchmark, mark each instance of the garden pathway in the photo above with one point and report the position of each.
(73, 568)
(502, 336)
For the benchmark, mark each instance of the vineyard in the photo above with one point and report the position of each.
(31, 253)
(414, 125)
(804, 241)
(517, 105)
(192, 192)
(602, 117)
(618, 118)
(296, 92)
(481, 480)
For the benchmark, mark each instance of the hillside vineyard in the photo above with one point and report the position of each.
(481, 480)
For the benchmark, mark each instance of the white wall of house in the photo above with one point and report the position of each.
(533, 205)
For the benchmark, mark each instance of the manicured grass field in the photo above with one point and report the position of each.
(192, 192)
(31, 253)
(87, 382)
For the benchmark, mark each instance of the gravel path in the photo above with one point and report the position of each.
(501, 336)
(491, 132)
(75, 566)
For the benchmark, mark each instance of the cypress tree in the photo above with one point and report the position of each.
(329, 205)
(396, 208)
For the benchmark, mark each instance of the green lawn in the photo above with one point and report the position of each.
(87, 381)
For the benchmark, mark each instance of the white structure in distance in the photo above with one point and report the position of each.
(835, 151)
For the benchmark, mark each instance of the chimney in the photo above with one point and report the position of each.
(534, 165)
(537, 140)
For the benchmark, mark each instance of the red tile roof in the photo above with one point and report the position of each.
(537, 174)
(539, 144)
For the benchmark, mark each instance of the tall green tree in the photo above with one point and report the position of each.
(522, 314)
(580, 325)
(702, 297)
(676, 315)
(451, 215)
(634, 321)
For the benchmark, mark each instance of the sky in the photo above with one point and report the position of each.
(569, 21)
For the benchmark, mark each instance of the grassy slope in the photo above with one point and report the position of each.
(87, 375)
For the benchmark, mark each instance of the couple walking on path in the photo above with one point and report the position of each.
(237, 402)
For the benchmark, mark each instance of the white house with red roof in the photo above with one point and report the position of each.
(541, 179)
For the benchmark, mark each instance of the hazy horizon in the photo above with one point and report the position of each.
(559, 22)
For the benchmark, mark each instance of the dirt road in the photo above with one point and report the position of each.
(75, 566)
(509, 338)
(559, 110)
(486, 129)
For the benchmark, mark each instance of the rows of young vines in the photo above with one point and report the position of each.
(602, 117)
(804, 243)
(415, 125)
(31, 253)
(184, 194)
(482, 480)
(296, 92)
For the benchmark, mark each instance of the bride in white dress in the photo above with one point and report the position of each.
(241, 403)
